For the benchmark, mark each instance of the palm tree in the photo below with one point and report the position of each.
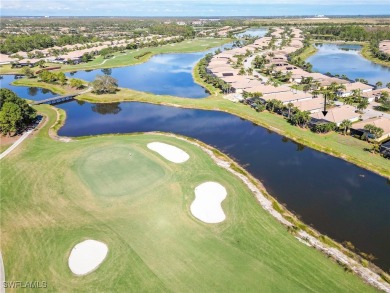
(289, 107)
(345, 125)
(378, 84)
(349, 100)
(363, 104)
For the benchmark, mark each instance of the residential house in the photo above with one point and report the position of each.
(336, 115)
(381, 122)
(350, 87)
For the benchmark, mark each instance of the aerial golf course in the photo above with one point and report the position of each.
(117, 190)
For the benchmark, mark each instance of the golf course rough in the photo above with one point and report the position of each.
(53, 196)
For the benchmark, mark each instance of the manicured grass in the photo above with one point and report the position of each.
(309, 51)
(128, 58)
(4, 147)
(51, 199)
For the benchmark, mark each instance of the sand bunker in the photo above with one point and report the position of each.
(207, 204)
(169, 152)
(87, 256)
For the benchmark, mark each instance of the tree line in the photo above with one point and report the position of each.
(26, 43)
(15, 114)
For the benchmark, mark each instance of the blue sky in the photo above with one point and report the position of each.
(193, 7)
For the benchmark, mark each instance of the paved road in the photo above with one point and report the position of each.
(371, 112)
(16, 143)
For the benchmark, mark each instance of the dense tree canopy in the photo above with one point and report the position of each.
(26, 43)
(15, 113)
(172, 30)
(104, 84)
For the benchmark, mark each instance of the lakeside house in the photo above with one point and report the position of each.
(268, 89)
(385, 149)
(5, 59)
(381, 122)
(245, 84)
(313, 105)
(288, 96)
(374, 95)
(336, 115)
(350, 87)
(26, 63)
(329, 80)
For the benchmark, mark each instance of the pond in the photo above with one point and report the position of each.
(165, 74)
(346, 59)
(31, 93)
(338, 198)
(253, 32)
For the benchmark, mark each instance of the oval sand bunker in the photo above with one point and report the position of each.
(169, 152)
(87, 256)
(207, 204)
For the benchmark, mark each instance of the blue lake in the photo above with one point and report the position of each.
(253, 32)
(165, 74)
(345, 59)
(31, 93)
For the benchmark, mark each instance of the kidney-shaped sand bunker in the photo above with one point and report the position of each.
(86, 256)
(207, 204)
(169, 152)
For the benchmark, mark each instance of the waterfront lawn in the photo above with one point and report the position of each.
(128, 58)
(51, 201)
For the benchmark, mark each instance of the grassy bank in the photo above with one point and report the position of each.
(130, 56)
(139, 205)
(345, 147)
(366, 53)
(309, 51)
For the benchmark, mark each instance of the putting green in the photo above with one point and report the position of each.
(116, 170)
(55, 195)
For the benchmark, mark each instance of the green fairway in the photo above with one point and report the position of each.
(118, 170)
(115, 190)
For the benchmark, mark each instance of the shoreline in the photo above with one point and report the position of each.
(303, 233)
(208, 104)
(364, 51)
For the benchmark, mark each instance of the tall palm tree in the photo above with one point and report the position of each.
(363, 104)
(289, 107)
(345, 125)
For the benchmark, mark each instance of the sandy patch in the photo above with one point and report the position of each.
(86, 256)
(169, 152)
(207, 204)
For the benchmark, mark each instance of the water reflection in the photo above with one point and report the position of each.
(345, 59)
(31, 93)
